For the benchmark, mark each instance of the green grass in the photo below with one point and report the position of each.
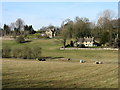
(19, 73)
(33, 35)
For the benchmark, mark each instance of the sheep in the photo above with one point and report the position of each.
(82, 61)
(98, 62)
(41, 59)
(69, 59)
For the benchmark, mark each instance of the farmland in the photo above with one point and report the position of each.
(58, 73)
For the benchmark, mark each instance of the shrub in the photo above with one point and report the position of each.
(71, 43)
(26, 52)
(25, 35)
(38, 36)
(23, 52)
(20, 39)
(6, 52)
(36, 52)
(82, 46)
(31, 53)
(68, 45)
(17, 52)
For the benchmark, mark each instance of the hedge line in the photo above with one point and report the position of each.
(23, 52)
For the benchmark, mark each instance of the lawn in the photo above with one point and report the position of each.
(58, 73)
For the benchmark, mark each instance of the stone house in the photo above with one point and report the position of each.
(87, 41)
(50, 32)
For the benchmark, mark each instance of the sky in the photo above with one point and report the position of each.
(41, 14)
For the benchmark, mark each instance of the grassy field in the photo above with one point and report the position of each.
(58, 73)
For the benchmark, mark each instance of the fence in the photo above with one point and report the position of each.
(89, 49)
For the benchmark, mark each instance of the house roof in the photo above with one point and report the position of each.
(80, 39)
(50, 29)
(88, 39)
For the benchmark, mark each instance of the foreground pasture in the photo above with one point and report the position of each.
(53, 74)
(57, 73)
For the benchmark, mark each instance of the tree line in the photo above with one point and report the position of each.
(17, 28)
(24, 52)
(104, 30)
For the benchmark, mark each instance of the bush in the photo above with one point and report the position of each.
(23, 52)
(71, 43)
(20, 39)
(68, 45)
(26, 52)
(36, 52)
(6, 52)
(25, 35)
(17, 52)
(38, 36)
(81, 46)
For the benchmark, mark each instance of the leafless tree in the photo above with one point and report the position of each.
(105, 23)
(19, 24)
(12, 26)
(104, 20)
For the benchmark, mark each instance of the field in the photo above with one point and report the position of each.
(58, 73)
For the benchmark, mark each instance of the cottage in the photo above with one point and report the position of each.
(50, 33)
(87, 41)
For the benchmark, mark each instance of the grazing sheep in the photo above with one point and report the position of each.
(82, 61)
(98, 62)
(42, 59)
(36, 58)
(68, 59)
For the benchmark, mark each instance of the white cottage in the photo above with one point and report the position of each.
(87, 41)
(50, 33)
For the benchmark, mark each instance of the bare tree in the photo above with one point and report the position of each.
(19, 24)
(65, 22)
(108, 14)
(104, 20)
(12, 26)
(66, 30)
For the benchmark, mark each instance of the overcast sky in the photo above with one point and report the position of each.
(41, 14)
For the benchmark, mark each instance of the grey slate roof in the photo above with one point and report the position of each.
(88, 39)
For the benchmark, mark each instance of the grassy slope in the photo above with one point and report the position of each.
(31, 73)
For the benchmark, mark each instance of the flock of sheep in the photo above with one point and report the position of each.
(81, 61)
(96, 62)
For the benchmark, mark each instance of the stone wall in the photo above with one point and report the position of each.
(88, 48)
